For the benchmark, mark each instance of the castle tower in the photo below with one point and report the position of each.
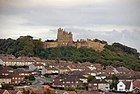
(64, 38)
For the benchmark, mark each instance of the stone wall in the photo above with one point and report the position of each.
(90, 44)
(50, 44)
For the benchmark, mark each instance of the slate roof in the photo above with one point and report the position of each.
(98, 81)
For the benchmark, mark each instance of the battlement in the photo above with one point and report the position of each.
(63, 32)
(64, 38)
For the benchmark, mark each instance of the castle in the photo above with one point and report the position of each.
(66, 39)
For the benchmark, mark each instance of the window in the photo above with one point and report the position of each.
(121, 86)
(67, 82)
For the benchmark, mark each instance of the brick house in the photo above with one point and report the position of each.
(5, 79)
(98, 84)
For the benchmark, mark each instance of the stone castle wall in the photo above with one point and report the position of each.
(66, 39)
(50, 44)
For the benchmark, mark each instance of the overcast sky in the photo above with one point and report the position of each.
(109, 20)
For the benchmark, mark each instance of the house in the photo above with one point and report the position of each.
(51, 70)
(67, 81)
(88, 71)
(22, 72)
(63, 70)
(16, 79)
(6, 71)
(120, 78)
(126, 86)
(100, 76)
(98, 84)
(89, 65)
(121, 86)
(35, 66)
(20, 61)
(72, 82)
(51, 63)
(37, 90)
(3, 91)
(76, 67)
(109, 71)
(5, 79)
(136, 87)
(122, 70)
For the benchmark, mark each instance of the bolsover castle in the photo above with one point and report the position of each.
(66, 39)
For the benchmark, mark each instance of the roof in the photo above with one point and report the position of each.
(98, 81)
(5, 77)
(46, 87)
(136, 84)
(70, 92)
(123, 69)
(15, 75)
(21, 70)
(36, 90)
(13, 91)
(2, 91)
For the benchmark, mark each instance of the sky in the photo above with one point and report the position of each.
(109, 20)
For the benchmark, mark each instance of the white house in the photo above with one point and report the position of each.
(125, 86)
(121, 86)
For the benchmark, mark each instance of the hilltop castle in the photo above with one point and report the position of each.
(66, 39)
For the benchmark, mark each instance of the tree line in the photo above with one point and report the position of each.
(116, 54)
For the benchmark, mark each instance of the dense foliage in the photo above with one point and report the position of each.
(23, 46)
(114, 82)
(115, 54)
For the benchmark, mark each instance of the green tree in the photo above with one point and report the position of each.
(90, 78)
(114, 82)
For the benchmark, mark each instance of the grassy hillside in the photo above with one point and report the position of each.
(115, 54)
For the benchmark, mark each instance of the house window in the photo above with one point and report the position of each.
(67, 82)
(121, 86)
(94, 88)
(106, 87)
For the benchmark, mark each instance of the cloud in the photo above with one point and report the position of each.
(50, 3)
(66, 3)
(110, 20)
